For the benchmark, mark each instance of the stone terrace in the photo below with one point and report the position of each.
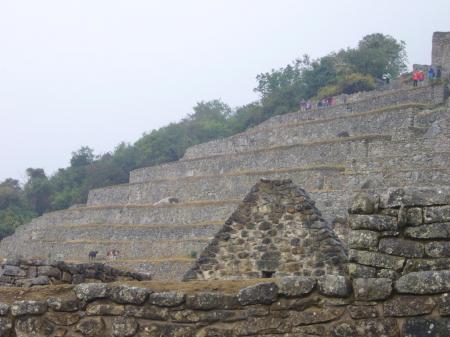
(374, 141)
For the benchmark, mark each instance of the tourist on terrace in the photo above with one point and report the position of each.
(386, 78)
(415, 78)
(431, 74)
(308, 105)
(421, 76)
(302, 105)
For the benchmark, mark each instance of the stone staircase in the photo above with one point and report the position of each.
(374, 141)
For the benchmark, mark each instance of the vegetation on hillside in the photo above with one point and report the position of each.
(280, 90)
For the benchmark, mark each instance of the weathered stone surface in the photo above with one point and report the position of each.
(167, 299)
(124, 327)
(4, 309)
(367, 328)
(363, 239)
(401, 247)
(426, 264)
(364, 203)
(49, 271)
(160, 330)
(360, 271)
(438, 249)
(296, 285)
(362, 311)
(444, 304)
(91, 327)
(208, 301)
(424, 282)
(63, 318)
(433, 231)
(128, 294)
(148, 312)
(13, 271)
(332, 285)
(63, 304)
(375, 222)
(408, 306)
(5, 327)
(91, 291)
(436, 214)
(40, 281)
(32, 326)
(314, 315)
(416, 196)
(21, 308)
(414, 216)
(263, 293)
(420, 327)
(372, 289)
(99, 309)
(375, 259)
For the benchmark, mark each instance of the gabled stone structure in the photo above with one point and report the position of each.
(276, 231)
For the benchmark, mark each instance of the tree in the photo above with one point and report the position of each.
(84, 156)
(38, 190)
(378, 54)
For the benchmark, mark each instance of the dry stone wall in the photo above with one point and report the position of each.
(441, 53)
(331, 306)
(34, 272)
(405, 231)
(277, 231)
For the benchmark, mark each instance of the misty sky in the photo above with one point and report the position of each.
(98, 72)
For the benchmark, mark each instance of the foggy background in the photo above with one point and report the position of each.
(99, 72)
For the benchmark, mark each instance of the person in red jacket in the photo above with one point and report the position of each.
(421, 76)
(415, 78)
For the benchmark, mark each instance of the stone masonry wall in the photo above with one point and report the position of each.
(441, 53)
(425, 95)
(34, 272)
(403, 231)
(276, 231)
(332, 306)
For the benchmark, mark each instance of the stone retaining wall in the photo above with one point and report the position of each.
(333, 306)
(35, 272)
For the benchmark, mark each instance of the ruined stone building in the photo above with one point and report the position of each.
(371, 142)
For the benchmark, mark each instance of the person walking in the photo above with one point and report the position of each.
(421, 76)
(386, 78)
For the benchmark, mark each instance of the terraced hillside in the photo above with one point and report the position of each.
(377, 140)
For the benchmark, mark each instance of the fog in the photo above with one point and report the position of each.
(99, 72)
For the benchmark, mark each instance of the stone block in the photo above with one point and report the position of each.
(167, 299)
(315, 315)
(385, 327)
(426, 264)
(401, 247)
(408, 306)
(364, 203)
(424, 282)
(14, 271)
(363, 239)
(148, 312)
(91, 291)
(416, 196)
(360, 271)
(373, 222)
(333, 285)
(420, 327)
(414, 216)
(128, 294)
(444, 304)
(375, 259)
(438, 249)
(362, 311)
(49, 271)
(92, 326)
(432, 231)
(5, 326)
(372, 289)
(63, 318)
(293, 286)
(21, 308)
(208, 301)
(436, 214)
(262, 293)
(4, 309)
(104, 309)
(124, 327)
(64, 304)
(28, 326)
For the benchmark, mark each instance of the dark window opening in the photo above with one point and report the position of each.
(267, 274)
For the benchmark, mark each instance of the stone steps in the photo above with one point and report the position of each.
(183, 213)
(330, 152)
(360, 102)
(128, 249)
(108, 232)
(394, 118)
